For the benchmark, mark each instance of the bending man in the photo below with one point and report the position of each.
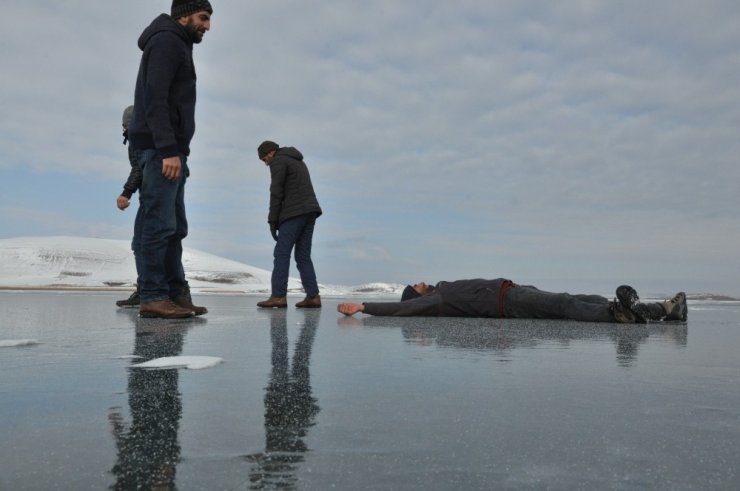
(502, 298)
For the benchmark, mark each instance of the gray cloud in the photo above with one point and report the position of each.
(570, 139)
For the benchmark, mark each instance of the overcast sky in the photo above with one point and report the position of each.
(573, 145)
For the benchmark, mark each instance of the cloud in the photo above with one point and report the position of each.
(541, 128)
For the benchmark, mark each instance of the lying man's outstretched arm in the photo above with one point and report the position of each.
(350, 308)
(426, 306)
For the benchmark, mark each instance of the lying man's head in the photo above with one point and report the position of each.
(418, 290)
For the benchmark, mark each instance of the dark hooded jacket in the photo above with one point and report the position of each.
(291, 191)
(164, 101)
(462, 298)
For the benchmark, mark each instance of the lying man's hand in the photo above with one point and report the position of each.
(350, 308)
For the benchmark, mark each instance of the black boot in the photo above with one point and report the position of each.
(643, 311)
(130, 302)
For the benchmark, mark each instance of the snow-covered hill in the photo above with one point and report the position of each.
(81, 262)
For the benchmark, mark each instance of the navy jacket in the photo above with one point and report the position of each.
(291, 191)
(164, 101)
(462, 298)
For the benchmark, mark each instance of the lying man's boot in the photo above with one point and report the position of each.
(164, 309)
(310, 302)
(274, 303)
(629, 299)
(130, 302)
(675, 308)
(186, 301)
(621, 314)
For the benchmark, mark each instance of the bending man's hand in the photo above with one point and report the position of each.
(171, 168)
(350, 308)
(274, 230)
(122, 202)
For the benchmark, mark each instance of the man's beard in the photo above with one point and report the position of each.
(195, 35)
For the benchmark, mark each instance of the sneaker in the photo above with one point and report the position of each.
(274, 303)
(130, 302)
(164, 309)
(186, 301)
(629, 299)
(310, 303)
(621, 314)
(675, 308)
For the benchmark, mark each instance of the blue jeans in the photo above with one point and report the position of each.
(136, 243)
(298, 232)
(162, 227)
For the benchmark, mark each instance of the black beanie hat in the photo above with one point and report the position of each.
(409, 293)
(183, 8)
(266, 147)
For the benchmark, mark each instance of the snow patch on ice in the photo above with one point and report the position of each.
(191, 362)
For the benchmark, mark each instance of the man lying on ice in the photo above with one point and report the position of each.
(501, 298)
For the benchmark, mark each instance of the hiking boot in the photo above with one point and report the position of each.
(274, 303)
(310, 303)
(164, 309)
(629, 299)
(186, 301)
(621, 314)
(130, 302)
(675, 308)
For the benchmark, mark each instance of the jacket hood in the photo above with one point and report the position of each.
(161, 24)
(291, 152)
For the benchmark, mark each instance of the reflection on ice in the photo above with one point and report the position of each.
(12, 343)
(290, 408)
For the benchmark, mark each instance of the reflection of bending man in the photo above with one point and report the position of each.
(501, 298)
(148, 450)
(290, 408)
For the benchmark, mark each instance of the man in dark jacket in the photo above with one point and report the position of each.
(123, 201)
(162, 125)
(502, 298)
(293, 213)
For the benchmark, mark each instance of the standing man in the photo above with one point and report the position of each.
(132, 184)
(293, 213)
(162, 126)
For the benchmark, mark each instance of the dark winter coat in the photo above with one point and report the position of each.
(291, 191)
(133, 183)
(164, 101)
(462, 298)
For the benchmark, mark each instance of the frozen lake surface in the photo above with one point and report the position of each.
(311, 400)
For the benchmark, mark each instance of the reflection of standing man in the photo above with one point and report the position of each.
(293, 213)
(148, 450)
(290, 408)
(162, 126)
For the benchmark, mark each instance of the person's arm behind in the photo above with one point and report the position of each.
(133, 183)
